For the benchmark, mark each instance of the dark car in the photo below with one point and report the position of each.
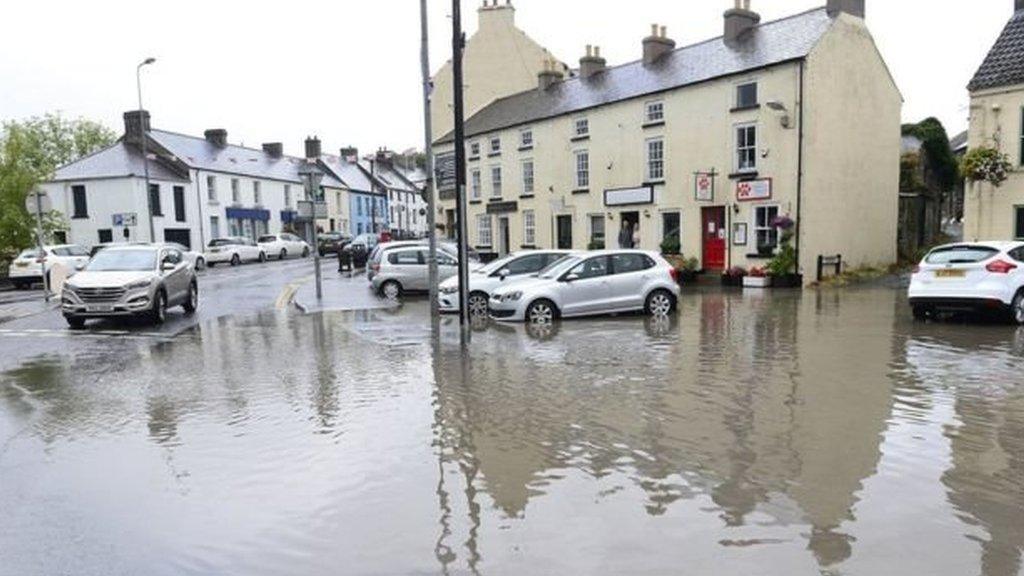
(331, 242)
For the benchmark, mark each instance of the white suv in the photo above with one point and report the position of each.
(283, 245)
(234, 250)
(497, 274)
(970, 277)
(30, 266)
(605, 282)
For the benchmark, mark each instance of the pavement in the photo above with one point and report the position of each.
(341, 291)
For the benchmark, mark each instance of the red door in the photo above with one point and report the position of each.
(714, 234)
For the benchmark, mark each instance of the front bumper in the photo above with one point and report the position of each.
(508, 310)
(133, 303)
(448, 303)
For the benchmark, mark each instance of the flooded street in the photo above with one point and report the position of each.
(770, 434)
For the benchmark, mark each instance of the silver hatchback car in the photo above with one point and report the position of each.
(131, 281)
(405, 269)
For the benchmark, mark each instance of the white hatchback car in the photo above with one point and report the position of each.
(970, 277)
(605, 282)
(234, 251)
(30, 266)
(500, 273)
(283, 245)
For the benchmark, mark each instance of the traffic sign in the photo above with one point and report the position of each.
(124, 220)
(43, 205)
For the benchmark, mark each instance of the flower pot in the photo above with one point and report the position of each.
(756, 282)
(687, 276)
(788, 281)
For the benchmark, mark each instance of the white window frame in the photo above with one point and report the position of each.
(736, 94)
(654, 111)
(751, 149)
(581, 169)
(474, 184)
(581, 127)
(495, 145)
(529, 228)
(288, 196)
(590, 228)
(474, 149)
(655, 166)
(526, 138)
(496, 184)
(484, 232)
(528, 177)
(211, 188)
(257, 193)
(236, 191)
(771, 230)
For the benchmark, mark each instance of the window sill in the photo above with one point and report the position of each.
(526, 148)
(745, 108)
(580, 138)
(472, 158)
(581, 191)
(743, 175)
(483, 248)
(80, 217)
(474, 202)
(657, 124)
(494, 154)
(654, 182)
(758, 257)
(525, 196)
(527, 247)
(495, 200)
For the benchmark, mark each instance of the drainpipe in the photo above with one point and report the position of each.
(199, 206)
(800, 168)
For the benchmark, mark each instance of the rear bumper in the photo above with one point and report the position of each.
(953, 304)
(25, 273)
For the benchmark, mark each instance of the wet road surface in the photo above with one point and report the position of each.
(822, 433)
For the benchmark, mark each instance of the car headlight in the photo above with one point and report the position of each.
(449, 289)
(512, 296)
(138, 285)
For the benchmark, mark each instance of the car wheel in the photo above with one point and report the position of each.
(478, 304)
(659, 303)
(921, 313)
(283, 254)
(158, 314)
(75, 322)
(391, 290)
(235, 260)
(263, 257)
(1017, 309)
(541, 312)
(191, 302)
(305, 252)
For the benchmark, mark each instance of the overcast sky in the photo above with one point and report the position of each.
(348, 70)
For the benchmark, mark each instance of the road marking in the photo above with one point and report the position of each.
(97, 334)
(288, 294)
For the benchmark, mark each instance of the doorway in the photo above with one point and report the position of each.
(713, 234)
(564, 227)
(632, 220)
(503, 236)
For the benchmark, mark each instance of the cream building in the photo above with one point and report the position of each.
(798, 117)
(498, 60)
(997, 120)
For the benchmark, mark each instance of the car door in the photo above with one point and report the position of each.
(630, 273)
(447, 266)
(252, 250)
(176, 279)
(584, 288)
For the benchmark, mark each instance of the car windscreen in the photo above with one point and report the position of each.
(221, 242)
(123, 261)
(266, 239)
(495, 265)
(556, 268)
(29, 254)
(960, 255)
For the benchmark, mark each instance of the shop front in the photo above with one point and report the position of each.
(248, 222)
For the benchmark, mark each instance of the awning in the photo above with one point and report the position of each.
(248, 214)
(288, 216)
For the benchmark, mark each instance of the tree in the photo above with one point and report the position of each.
(30, 151)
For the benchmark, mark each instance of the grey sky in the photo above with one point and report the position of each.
(348, 70)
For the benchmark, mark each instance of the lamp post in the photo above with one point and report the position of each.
(312, 175)
(428, 185)
(145, 153)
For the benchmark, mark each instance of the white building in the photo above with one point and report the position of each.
(201, 189)
(405, 204)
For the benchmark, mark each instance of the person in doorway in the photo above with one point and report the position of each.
(636, 236)
(626, 235)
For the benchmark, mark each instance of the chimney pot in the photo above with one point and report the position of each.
(740, 20)
(217, 136)
(855, 7)
(548, 76)
(657, 45)
(135, 123)
(350, 153)
(592, 63)
(273, 149)
(312, 148)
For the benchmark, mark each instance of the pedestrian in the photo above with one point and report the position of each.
(625, 236)
(636, 236)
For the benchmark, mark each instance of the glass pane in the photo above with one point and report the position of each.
(961, 255)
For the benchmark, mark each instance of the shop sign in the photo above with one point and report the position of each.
(629, 196)
(751, 190)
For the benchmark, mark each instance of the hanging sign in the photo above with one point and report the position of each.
(704, 186)
(751, 190)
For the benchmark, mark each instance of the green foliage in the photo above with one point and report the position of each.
(671, 245)
(595, 245)
(784, 262)
(910, 174)
(986, 165)
(30, 151)
(935, 145)
(691, 264)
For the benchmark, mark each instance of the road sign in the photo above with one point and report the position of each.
(124, 220)
(306, 207)
(44, 205)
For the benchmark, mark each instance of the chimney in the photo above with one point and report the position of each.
(592, 63)
(856, 7)
(549, 76)
(274, 149)
(492, 16)
(349, 154)
(135, 123)
(657, 45)
(217, 136)
(739, 20)
(312, 148)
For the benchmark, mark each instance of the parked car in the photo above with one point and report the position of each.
(405, 269)
(283, 245)
(373, 260)
(497, 274)
(605, 282)
(360, 247)
(331, 242)
(970, 277)
(233, 250)
(131, 281)
(30, 265)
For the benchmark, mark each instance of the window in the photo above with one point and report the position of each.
(474, 149)
(597, 232)
(288, 196)
(106, 235)
(655, 160)
(526, 265)
(179, 203)
(154, 200)
(406, 258)
(496, 145)
(211, 188)
(592, 268)
(214, 227)
(627, 263)
(654, 112)
(236, 196)
(474, 185)
(1022, 136)
(582, 169)
(746, 148)
(1018, 230)
(529, 228)
(526, 138)
(527, 176)
(581, 127)
(256, 196)
(483, 230)
(496, 181)
(746, 95)
(78, 196)
(766, 233)
(670, 226)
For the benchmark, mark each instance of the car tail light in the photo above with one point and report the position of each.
(1000, 267)
(674, 273)
(375, 267)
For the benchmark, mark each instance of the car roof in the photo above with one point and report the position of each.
(132, 247)
(1001, 245)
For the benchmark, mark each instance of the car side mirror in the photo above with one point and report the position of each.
(571, 278)
(505, 273)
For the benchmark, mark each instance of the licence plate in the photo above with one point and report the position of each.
(100, 308)
(215, 250)
(950, 273)
(21, 264)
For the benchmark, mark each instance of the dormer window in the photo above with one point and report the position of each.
(746, 95)
(581, 128)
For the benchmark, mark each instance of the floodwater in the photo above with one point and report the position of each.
(776, 434)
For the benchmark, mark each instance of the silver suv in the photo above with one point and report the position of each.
(131, 281)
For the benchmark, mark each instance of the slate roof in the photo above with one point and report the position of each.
(388, 176)
(116, 161)
(352, 175)
(1004, 64)
(783, 40)
(958, 142)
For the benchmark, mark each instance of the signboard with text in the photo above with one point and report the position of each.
(444, 172)
(704, 187)
(751, 190)
(124, 220)
(629, 196)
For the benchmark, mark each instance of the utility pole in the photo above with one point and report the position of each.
(458, 44)
(428, 184)
(313, 176)
(145, 154)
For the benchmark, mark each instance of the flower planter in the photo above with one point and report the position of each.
(687, 276)
(788, 281)
(729, 281)
(756, 282)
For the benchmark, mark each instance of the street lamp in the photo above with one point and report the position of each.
(145, 153)
(312, 175)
